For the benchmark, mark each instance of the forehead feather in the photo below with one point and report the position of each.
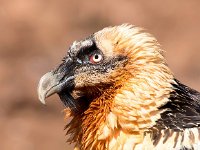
(126, 39)
(78, 45)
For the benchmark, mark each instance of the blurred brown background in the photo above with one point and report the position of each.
(35, 34)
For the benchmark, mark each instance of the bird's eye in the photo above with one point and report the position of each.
(95, 58)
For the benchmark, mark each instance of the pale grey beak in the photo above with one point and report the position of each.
(47, 86)
(51, 83)
(56, 81)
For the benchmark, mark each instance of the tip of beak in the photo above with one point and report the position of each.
(42, 99)
(44, 87)
(50, 84)
(41, 90)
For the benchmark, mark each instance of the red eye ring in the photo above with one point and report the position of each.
(95, 58)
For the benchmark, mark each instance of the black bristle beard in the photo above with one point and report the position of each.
(82, 100)
(70, 102)
(77, 105)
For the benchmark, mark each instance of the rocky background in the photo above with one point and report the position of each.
(35, 34)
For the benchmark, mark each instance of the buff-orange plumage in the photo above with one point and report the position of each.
(122, 95)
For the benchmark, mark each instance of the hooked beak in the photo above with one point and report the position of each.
(50, 84)
(56, 81)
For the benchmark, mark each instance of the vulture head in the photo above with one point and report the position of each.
(116, 86)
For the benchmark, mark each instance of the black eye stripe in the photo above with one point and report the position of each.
(87, 50)
(84, 50)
